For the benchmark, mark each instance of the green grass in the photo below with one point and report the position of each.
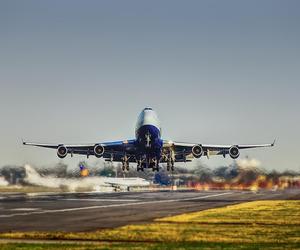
(252, 225)
(148, 246)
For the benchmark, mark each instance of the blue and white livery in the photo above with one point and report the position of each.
(148, 149)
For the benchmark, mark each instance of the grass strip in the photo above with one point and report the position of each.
(251, 225)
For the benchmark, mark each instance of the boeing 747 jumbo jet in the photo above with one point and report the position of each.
(148, 149)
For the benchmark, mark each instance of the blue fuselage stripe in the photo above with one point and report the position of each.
(149, 140)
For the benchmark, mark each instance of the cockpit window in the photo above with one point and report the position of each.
(148, 109)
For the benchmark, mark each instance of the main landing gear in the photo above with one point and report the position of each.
(170, 165)
(125, 166)
(140, 166)
(125, 163)
(170, 159)
(153, 163)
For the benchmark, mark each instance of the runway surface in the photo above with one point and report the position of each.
(92, 211)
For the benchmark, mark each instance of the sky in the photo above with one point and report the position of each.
(217, 72)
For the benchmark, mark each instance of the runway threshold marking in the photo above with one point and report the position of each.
(113, 205)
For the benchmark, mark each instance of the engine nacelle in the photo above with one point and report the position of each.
(98, 150)
(62, 151)
(234, 152)
(197, 151)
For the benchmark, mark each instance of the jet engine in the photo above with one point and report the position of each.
(197, 151)
(98, 150)
(234, 152)
(62, 151)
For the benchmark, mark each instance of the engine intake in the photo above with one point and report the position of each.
(98, 150)
(234, 152)
(197, 151)
(62, 151)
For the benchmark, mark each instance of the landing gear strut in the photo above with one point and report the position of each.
(140, 166)
(170, 160)
(125, 163)
(155, 165)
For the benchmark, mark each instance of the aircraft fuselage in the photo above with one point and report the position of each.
(148, 137)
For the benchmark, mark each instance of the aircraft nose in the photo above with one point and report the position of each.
(147, 117)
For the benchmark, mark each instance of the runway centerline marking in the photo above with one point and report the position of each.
(113, 205)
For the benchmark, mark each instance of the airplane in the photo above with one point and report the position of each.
(95, 183)
(148, 149)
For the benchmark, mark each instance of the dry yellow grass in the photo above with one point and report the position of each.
(259, 222)
(256, 212)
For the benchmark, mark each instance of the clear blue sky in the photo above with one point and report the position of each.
(215, 71)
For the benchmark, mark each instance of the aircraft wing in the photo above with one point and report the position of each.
(112, 150)
(184, 151)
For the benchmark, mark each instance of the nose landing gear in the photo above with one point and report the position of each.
(155, 168)
(155, 164)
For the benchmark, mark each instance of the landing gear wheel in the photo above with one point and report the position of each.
(125, 166)
(155, 168)
(140, 167)
(168, 168)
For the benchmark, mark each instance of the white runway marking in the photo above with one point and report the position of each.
(25, 209)
(111, 200)
(113, 205)
(42, 194)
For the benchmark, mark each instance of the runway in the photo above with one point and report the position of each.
(77, 212)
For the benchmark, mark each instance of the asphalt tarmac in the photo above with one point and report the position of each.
(78, 212)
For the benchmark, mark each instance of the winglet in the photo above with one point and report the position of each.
(273, 144)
